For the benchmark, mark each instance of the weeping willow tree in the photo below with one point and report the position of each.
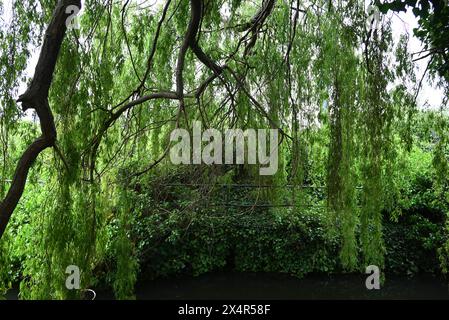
(106, 96)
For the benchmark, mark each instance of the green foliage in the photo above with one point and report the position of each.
(5, 276)
(362, 173)
(126, 270)
(433, 18)
(200, 242)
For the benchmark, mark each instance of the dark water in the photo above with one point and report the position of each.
(275, 286)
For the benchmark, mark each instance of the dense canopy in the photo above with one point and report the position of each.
(85, 146)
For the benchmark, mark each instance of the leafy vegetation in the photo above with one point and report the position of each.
(362, 173)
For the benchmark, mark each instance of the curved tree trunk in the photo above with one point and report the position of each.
(36, 97)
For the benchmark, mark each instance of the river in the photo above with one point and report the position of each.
(263, 286)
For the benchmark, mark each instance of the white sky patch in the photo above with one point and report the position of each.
(430, 95)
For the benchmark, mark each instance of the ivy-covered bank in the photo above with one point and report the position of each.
(245, 229)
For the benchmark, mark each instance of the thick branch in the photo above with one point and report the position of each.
(189, 39)
(36, 97)
(117, 114)
(256, 22)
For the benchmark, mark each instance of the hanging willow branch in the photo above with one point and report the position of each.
(190, 42)
(36, 97)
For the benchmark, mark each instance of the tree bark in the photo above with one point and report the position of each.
(36, 97)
